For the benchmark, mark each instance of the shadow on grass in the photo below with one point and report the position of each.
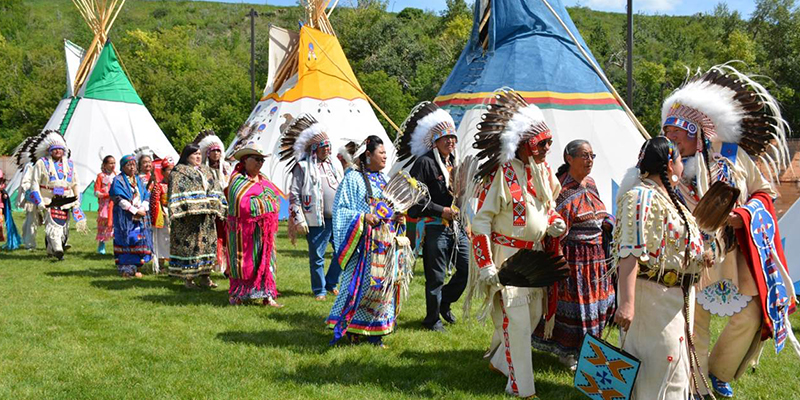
(92, 255)
(421, 373)
(89, 273)
(308, 333)
(189, 297)
(25, 255)
(148, 283)
(69, 255)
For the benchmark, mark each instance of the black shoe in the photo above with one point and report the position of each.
(438, 327)
(447, 315)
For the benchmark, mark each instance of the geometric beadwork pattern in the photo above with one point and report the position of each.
(604, 371)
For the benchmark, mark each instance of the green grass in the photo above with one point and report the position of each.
(74, 329)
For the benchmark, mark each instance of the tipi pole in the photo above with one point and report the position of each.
(600, 73)
(332, 7)
(108, 28)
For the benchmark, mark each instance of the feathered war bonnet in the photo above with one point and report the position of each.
(304, 135)
(208, 140)
(143, 151)
(506, 124)
(299, 142)
(426, 124)
(38, 146)
(726, 105)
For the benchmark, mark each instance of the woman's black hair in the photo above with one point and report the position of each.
(570, 150)
(372, 143)
(188, 150)
(654, 160)
(106, 158)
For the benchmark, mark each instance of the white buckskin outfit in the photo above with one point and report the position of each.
(649, 227)
(515, 210)
(52, 180)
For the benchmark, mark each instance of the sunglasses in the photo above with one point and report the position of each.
(544, 143)
(258, 160)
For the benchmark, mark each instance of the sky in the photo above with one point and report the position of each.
(664, 7)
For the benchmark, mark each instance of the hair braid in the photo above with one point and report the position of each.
(367, 184)
(677, 202)
(704, 150)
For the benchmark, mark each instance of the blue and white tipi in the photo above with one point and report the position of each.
(520, 44)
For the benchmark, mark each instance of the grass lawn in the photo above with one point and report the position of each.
(74, 329)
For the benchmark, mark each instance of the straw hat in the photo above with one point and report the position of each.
(250, 149)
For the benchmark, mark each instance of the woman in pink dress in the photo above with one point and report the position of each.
(253, 205)
(105, 222)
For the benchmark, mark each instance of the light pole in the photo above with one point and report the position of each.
(629, 64)
(253, 14)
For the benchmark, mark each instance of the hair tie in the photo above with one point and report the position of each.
(641, 156)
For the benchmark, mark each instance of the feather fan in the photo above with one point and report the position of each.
(531, 268)
(712, 210)
(403, 192)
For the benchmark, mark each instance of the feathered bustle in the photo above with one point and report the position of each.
(531, 268)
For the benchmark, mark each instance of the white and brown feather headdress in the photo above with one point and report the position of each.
(143, 151)
(208, 140)
(727, 105)
(300, 137)
(38, 146)
(507, 122)
(348, 151)
(426, 124)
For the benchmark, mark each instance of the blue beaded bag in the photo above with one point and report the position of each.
(605, 371)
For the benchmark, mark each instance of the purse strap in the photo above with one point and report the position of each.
(622, 335)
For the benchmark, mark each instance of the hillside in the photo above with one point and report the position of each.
(189, 61)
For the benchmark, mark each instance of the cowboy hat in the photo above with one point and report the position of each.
(250, 149)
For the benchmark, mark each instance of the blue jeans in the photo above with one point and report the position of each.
(318, 238)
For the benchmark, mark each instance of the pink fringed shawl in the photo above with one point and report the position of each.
(252, 224)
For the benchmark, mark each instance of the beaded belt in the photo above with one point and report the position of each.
(669, 278)
(509, 241)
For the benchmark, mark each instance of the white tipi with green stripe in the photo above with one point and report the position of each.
(105, 117)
